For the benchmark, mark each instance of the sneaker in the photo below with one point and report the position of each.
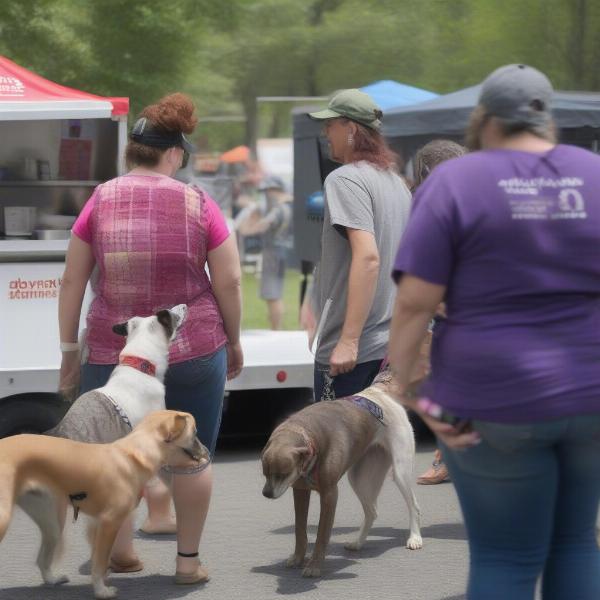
(437, 473)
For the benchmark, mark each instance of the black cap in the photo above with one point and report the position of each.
(143, 132)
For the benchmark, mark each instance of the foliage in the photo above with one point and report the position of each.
(225, 53)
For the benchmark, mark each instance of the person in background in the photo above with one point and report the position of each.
(366, 209)
(275, 227)
(150, 238)
(429, 156)
(509, 237)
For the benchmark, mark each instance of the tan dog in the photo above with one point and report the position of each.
(366, 435)
(104, 481)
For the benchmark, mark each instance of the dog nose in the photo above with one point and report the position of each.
(268, 493)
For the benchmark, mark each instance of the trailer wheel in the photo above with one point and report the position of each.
(30, 414)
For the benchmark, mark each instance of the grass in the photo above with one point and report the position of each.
(254, 310)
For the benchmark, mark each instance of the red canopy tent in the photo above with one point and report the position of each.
(27, 96)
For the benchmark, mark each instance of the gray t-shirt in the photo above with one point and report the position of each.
(358, 196)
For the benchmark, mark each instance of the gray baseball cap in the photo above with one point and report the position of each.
(354, 105)
(517, 94)
(271, 182)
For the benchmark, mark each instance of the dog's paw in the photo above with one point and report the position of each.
(101, 593)
(353, 546)
(312, 570)
(415, 542)
(294, 561)
(55, 579)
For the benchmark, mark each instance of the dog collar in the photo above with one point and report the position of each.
(141, 364)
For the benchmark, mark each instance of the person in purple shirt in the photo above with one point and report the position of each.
(509, 237)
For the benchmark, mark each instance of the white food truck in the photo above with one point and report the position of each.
(56, 145)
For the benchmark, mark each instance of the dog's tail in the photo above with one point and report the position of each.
(7, 497)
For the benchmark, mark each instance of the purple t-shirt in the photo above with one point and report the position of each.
(515, 237)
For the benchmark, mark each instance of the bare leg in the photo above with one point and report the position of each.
(275, 308)
(123, 556)
(160, 518)
(326, 517)
(191, 495)
(301, 504)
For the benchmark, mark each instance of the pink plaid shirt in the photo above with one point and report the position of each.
(150, 236)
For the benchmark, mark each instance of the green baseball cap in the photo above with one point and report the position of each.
(354, 105)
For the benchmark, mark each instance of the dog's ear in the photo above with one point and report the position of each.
(304, 455)
(172, 319)
(176, 426)
(166, 320)
(120, 329)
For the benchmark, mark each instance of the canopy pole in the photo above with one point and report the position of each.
(121, 143)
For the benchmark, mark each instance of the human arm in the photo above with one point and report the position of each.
(254, 224)
(78, 268)
(362, 283)
(416, 302)
(308, 321)
(225, 274)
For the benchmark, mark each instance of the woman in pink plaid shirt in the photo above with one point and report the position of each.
(150, 238)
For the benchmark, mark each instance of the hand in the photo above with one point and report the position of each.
(70, 368)
(448, 434)
(343, 358)
(235, 360)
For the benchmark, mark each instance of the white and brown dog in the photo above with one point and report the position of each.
(365, 435)
(135, 387)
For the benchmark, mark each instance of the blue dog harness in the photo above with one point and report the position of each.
(368, 405)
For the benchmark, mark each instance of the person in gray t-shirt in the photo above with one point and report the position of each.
(367, 206)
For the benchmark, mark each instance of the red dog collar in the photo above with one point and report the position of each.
(141, 364)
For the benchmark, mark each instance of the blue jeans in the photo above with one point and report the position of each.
(346, 384)
(196, 386)
(529, 496)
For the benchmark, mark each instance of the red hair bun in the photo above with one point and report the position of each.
(174, 112)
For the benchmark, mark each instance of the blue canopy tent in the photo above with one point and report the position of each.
(391, 94)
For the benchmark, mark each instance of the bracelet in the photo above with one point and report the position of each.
(69, 346)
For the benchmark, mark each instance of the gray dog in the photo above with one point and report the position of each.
(366, 435)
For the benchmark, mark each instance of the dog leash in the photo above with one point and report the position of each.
(328, 391)
(78, 497)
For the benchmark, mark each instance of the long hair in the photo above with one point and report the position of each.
(479, 118)
(369, 145)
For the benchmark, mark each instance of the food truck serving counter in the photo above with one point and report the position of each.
(57, 145)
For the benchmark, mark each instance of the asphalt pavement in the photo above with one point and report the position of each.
(247, 539)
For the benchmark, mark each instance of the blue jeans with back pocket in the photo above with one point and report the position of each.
(529, 496)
